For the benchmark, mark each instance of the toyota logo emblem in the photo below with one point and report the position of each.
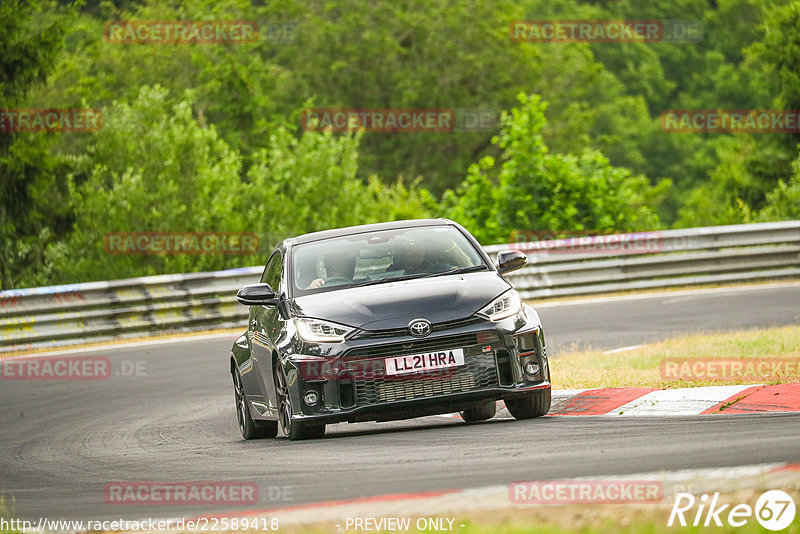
(419, 327)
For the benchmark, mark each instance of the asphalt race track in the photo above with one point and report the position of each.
(62, 441)
(605, 323)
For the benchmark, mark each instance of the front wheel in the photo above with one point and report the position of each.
(292, 429)
(529, 405)
(481, 412)
(250, 428)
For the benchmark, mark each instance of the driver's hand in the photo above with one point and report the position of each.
(319, 282)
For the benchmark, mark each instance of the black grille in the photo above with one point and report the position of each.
(372, 386)
(422, 345)
(401, 332)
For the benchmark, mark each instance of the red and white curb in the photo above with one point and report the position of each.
(627, 402)
(680, 401)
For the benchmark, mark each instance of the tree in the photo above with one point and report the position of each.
(534, 189)
(753, 171)
(32, 188)
(155, 168)
(311, 183)
(152, 168)
(783, 202)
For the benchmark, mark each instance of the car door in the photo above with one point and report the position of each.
(265, 325)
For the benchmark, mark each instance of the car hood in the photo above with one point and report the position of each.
(394, 304)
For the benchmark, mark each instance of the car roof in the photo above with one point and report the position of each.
(350, 230)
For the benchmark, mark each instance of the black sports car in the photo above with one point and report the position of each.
(381, 322)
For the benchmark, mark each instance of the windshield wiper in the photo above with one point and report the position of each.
(387, 279)
(460, 270)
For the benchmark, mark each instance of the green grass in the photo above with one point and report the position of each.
(611, 526)
(7, 513)
(641, 367)
(578, 518)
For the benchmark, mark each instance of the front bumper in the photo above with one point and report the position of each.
(419, 407)
(351, 384)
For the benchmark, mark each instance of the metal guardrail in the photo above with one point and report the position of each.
(100, 311)
(716, 254)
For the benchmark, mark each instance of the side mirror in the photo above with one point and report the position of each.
(510, 260)
(257, 295)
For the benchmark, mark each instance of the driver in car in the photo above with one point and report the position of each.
(338, 268)
(408, 257)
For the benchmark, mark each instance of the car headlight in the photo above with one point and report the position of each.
(502, 307)
(318, 331)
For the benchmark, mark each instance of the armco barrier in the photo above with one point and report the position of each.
(99, 311)
(717, 254)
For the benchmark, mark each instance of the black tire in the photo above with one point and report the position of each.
(250, 428)
(481, 412)
(530, 405)
(292, 429)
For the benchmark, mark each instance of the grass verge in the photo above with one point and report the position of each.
(583, 519)
(6, 514)
(642, 367)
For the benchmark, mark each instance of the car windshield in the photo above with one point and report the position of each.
(382, 256)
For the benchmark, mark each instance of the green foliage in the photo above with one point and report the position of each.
(783, 202)
(740, 183)
(154, 168)
(752, 171)
(7, 512)
(779, 53)
(31, 186)
(151, 168)
(719, 200)
(538, 190)
(32, 36)
(311, 183)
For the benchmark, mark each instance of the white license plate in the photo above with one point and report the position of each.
(415, 363)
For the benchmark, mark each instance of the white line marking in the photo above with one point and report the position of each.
(133, 344)
(623, 349)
